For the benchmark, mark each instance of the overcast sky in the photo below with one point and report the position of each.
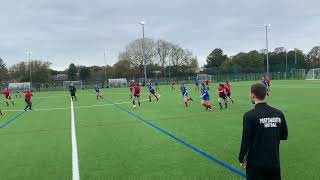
(65, 31)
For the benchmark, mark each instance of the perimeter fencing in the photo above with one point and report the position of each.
(293, 75)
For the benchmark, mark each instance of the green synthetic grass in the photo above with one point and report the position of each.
(115, 145)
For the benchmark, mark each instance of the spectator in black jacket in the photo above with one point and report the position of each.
(263, 128)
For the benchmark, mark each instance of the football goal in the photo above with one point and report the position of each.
(313, 74)
(23, 86)
(116, 83)
(77, 84)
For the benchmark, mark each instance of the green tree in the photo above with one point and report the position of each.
(84, 73)
(72, 72)
(3, 71)
(216, 58)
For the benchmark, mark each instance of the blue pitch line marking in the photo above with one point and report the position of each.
(188, 145)
(17, 116)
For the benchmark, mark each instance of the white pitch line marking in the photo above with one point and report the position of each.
(75, 163)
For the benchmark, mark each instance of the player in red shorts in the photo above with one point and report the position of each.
(228, 90)
(136, 94)
(173, 84)
(28, 101)
(207, 84)
(131, 88)
(222, 96)
(7, 97)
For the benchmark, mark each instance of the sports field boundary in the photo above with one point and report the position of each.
(184, 143)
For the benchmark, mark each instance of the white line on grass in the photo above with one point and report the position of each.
(78, 107)
(75, 165)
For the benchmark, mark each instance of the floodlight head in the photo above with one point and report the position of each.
(267, 25)
(142, 23)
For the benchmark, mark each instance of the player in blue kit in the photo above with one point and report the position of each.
(185, 96)
(156, 83)
(196, 84)
(205, 97)
(151, 91)
(98, 92)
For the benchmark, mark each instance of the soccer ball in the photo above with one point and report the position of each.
(134, 106)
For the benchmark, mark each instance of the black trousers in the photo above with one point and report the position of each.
(258, 173)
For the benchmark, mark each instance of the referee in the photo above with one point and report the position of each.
(263, 128)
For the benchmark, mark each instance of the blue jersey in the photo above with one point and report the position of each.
(97, 90)
(184, 90)
(17, 90)
(196, 82)
(156, 82)
(264, 82)
(205, 94)
(150, 87)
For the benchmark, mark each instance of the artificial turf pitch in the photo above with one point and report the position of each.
(113, 143)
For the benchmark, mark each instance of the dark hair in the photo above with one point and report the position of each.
(259, 90)
(202, 84)
(227, 82)
(221, 85)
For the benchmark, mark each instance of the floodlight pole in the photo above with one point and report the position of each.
(30, 75)
(267, 46)
(105, 65)
(143, 53)
(286, 64)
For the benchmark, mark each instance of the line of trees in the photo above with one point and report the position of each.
(165, 59)
(254, 61)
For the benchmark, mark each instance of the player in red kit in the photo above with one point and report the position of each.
(228, 90)
(131, 88)
(207, 84)
(136, 91)
(7, 97)
(28, 101)
(222, 96)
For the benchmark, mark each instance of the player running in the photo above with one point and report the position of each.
(18, 92)
(131, 88)
(222, 96)
(185, 96)
(266, 83)
(73, 90)
(136, 95)
(156, 83)
(98, 92)
(207, 84)
(151, 91)
(7, 97)
(173, 84)
(27, 98)
(196, 84)
(205, 97)
(228, 91)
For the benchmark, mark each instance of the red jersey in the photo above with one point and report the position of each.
(6, 93)
(268, 82)
(221, 90)
(130, 86)
(207, 82)
(228, 88)
(28, 96)
(136, 90)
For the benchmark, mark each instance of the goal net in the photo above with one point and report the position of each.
(77, 84)
(23, 86)
(313, 74)
(114, 83)
(203, 77)
(298, 73)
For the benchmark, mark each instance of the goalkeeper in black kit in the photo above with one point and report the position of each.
(263, 129)
(73, 90)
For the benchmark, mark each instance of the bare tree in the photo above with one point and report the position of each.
(163, 49)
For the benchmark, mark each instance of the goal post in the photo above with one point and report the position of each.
(77, 84)
(116, 83)
(298, 73)
(22, 86)
(313, 74)
(203, 77)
